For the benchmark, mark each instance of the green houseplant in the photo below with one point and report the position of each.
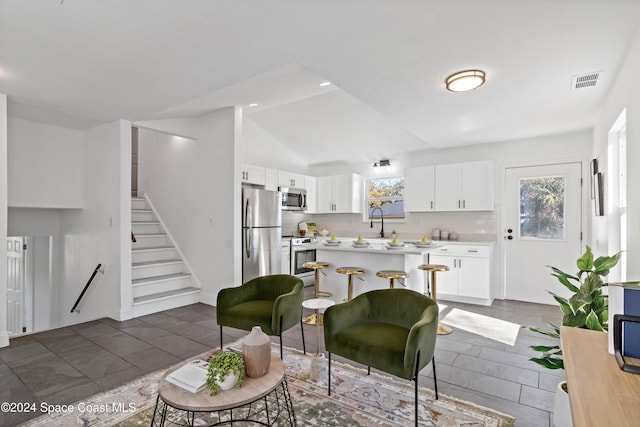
(222, 365)
(587, 308)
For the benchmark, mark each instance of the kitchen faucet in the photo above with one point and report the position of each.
(381, 220)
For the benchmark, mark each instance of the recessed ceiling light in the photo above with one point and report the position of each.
(325, 84)
(253, 105)
(465, 80)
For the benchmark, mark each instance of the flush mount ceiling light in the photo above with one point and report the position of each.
(323, 84)
(385, 162)
(253, 105)
(465, 80)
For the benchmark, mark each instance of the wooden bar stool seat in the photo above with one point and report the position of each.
(316, 318)
(392, 275)
(350, 271)
(434, 268)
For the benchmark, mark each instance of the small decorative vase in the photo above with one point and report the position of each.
(256, 351)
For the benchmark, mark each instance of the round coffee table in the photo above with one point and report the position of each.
(260, 401)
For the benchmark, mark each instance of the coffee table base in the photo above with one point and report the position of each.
(273, 409)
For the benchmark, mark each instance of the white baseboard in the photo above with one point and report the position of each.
(4, 339)
(208, 298)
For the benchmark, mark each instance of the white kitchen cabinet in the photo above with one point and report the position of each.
(469, 277)
(251, 174)
(419, 190)
(290, 179)
(339, 194)
(271, 179)
(464, 186)
(311, 184)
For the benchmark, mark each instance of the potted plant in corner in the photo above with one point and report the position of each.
(226, 370)
(587, 308)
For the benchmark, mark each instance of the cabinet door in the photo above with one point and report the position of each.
(446, 281)
(474, 278)
(419, 189)
(291, 180)
(253, 174)
(346, 193)
(447, 187)
(311, 184)
(477, 186)
(324, 194)
(271, 179)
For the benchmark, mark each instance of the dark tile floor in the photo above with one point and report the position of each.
(68, 364)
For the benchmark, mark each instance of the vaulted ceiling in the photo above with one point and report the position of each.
(80, 62)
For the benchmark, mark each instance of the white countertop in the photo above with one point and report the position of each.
(377, 247)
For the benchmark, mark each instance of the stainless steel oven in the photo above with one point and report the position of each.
(302, 250)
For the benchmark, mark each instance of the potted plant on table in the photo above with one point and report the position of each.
(587, 308)
(226, 370)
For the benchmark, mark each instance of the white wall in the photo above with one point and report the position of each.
(4, 335)
(46, 168)
(99, 232)
(191, 184)
(625, 93)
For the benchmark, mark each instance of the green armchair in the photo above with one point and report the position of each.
(272, 302)
(393, 330)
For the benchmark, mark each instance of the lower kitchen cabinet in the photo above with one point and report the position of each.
(469, 275)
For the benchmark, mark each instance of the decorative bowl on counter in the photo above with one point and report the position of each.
(360, 243)
(332, 242)
(395, 244)
(324, 232)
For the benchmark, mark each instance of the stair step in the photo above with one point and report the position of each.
(155, 279)
(144, 222)
(141, 211)
(165, 295)
(151, 249)
(156, 263)
(151, 235)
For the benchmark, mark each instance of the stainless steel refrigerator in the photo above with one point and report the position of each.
(261, 232)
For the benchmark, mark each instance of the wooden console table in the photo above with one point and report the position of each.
(600, 393)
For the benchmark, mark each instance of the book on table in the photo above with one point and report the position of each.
(191, 377)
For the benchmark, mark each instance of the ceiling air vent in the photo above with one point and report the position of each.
(585, 80)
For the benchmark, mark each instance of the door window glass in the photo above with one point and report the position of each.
(542, 208)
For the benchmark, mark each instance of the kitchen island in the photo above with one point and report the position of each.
(372, 258)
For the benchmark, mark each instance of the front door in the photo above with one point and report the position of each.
(15, 286)
(542, 227)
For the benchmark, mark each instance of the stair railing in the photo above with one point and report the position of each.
(98, 268)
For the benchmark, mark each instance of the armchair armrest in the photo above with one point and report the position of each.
(288, 307)
(342, 316)
(422, 338)
(229, 297)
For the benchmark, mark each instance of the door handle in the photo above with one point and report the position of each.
(509, 237)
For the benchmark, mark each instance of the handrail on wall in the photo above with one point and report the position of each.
(86, 287)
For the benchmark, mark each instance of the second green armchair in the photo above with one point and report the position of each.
(272, 302)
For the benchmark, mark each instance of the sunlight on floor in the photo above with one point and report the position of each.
(489, 327)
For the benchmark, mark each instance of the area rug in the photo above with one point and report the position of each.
(357, 399)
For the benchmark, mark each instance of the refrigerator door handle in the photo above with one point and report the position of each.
(247, 229)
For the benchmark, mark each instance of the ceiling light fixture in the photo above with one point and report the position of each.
(382, 163)
(465, 80)
(253, 105)
(325, 84)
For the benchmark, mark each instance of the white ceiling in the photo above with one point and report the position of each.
(80, 62)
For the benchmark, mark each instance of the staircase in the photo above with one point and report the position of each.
(160, 279)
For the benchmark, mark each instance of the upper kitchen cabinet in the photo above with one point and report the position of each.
(271, 179)
(419, 189)
(291, 180)
(339, 194)
(311, 185)
(252, 174)
(464, 186)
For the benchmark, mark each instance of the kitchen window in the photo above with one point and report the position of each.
(386, 194)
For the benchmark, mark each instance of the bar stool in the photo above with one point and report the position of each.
(433, 268)
(316, 266)
(392, 275)
(350, 271)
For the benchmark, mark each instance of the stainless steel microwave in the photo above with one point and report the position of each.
(293, 199)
